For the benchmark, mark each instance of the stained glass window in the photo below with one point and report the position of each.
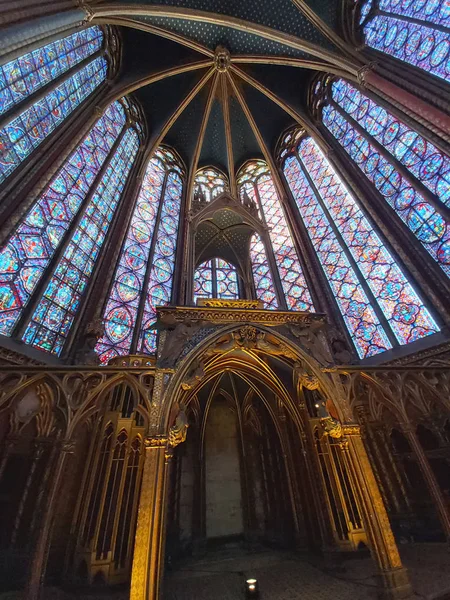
(262, 276)
(211, 182)
(27, 253)
(22, 76)
(24, 133)
(51, 321)
(427, 165)
(146, 261)
(216, 278)
(159, 289)
(256, 180)
(361, 271)
(405, 30)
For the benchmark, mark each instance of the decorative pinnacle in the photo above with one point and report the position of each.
(222, 59)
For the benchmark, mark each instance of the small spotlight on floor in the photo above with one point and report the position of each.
(251, 588)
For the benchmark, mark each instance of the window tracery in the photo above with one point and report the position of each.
(210, 183)
(216, 278)
(414, 31)
(378, 142)
(262, 275)
(144, 272)
(255, 180)
(74, 212)
(374, 296)
(26, 75)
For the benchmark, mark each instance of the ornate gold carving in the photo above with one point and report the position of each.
(332, 427)
(241, 304)
(206, 315)
(222, 59)
(178, 431)
(351, 429)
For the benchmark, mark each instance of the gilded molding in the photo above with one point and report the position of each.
(226, 315)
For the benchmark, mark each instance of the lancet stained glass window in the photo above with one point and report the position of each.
(140, 254)
(24, 133)
(22, 76)
(27, 253)
(404, 29)
(426, 164)
(351, 252)
(256, 180)
(262, 275)
(211, 182)
(51, 321)
(159, 289)
(216, 278)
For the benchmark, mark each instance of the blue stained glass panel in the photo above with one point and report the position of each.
(406, 314)
(51, 322)
(121, 310)
(203, 281)
(27, 131)
(428, 164)
(27, 253)
(255, 179)
(23, 76)
(360, 318)
(432, 11)
(262, 275)
(159, 289)
(422, 219)
(414, 43)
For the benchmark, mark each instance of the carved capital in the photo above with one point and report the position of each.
(364, 71)
(155, 442)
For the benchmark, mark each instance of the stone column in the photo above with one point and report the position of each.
(148, 559)
(39, 558)
(36, 27)
(428, 475)
(394, 580)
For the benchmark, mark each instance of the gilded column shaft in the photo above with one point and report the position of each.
(394, 577)
(148, 555)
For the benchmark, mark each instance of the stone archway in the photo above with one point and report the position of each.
(196, 344)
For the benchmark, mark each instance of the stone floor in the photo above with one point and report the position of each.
(283, 576)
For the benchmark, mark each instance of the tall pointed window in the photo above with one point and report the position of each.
(210, 183)
(65, 228)
(414, 31)
(262, 276)
(216, 278)
(411, 174)
(144, 273)
(378, 304)
(255, 180)
(40, 89)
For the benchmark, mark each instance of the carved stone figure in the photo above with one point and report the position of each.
(86, 355)
(178, 431)
(176, 338)
(195, 374)
(310, 341)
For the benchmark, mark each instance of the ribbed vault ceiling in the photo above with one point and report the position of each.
(224, 114)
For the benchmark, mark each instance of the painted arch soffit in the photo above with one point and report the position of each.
(290, 34)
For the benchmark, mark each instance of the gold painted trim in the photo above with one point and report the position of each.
(141, 26)
(319, 24)
(168, 124)
(299, 63)
(228, 136)
(154, 78)
(187, 14)
(200, 139)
